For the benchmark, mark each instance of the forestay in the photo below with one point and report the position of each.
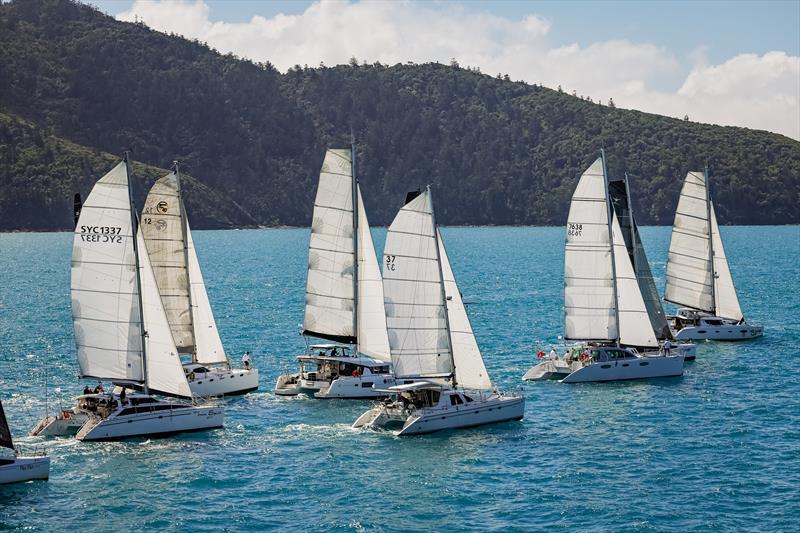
(330, 285)
(162, 226)
(689, 276)
(373, 339)
(469, 367)
(724, 291)
(589, 307)
(412, 285)
(208, 346)
(105, 306)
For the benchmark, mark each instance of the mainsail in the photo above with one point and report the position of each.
(416, 314)
(698, 275)
(343, 303)
(469, 367)
(177, 272)
(589, 307)
(107, 297)
(5, 432)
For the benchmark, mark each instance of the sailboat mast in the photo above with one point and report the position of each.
(609, 211)
(444, 293)
(134, 232)
(185, 235)
(710, 242)
(354, 187)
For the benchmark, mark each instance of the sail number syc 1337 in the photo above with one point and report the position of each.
(101, 234)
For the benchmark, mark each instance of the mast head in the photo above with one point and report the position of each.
(175, 164)
(125, 155)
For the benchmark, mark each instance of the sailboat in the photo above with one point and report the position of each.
(603, 304)
(698, 275)
(121, 328)
(344, 295)
(16, 468)
(173, 257)
(445, 384)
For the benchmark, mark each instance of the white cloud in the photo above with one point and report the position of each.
(747, 90)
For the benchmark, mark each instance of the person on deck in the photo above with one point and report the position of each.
(553, 354)
(87, 390)
(246, 360)
(99, 388)
(667, 347)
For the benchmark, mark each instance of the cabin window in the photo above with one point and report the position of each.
(6, 461)
(455, 399)
(128, 411)
(435, 395)
(468, 398)
(366, 384)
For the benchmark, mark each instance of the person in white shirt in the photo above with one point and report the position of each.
(246, 360)
(553, 354)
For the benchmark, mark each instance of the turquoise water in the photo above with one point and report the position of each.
(718, 449)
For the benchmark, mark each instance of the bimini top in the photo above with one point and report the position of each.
(356, 361)
(328, 346)
(417, 385)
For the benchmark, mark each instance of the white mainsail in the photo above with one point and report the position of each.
(724, 291)
(209, 349)
(589, 307)
(373, 340)
(105, 293)
(330, 291)
(416, 314)
(689, 272)
(635, 328)
(469, 367)
(162, 226)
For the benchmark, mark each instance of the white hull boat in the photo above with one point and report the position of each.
(434, 350)
(66, 423)
(607, 364)
(326, 376)
(426, 408)
(109, 418)
(698, 274)
(16, 468)
(19, 469)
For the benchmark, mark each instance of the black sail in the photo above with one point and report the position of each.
(5, 432)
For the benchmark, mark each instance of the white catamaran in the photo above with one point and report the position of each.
(698, 275)
(603, 302)
(14, 467)
(177, 271)
(121, 328)
(445, 384)
(344, 295)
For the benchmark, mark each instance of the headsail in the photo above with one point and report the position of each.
(689, 268)
(373, 339)
(416, 315)
(5, 433)
(724, 290)
(162, 226)
(207, 341)
(469, 367)
(330, 292)
(105, 292)
(589, 307)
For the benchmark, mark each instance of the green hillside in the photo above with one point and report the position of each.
(495, 151)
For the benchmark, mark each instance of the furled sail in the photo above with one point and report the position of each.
(162, 226)
(689, 272)
(105, 306)
(634, 322)
(620, 199)
(164, 368)
(412, 284)
(373, 339)
(208, 345)
(330, 291)
(724, 291)
(5, 433)
(469, 368)
(589, 307)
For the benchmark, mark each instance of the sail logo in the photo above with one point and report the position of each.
(162, 207)
(161, 224)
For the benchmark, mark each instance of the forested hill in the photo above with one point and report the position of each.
(495, 151)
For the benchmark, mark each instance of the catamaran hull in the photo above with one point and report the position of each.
(640, 368)
(64, 424)
(356, 388)
(478, 413)
(741, 332)
(152, 424)
(24, 469)
(222, 382)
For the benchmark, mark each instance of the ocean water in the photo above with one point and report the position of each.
(715, 450)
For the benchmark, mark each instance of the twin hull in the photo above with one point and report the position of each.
(153, 423)
(725, 332)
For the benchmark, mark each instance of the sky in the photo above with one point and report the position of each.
(730, 63)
